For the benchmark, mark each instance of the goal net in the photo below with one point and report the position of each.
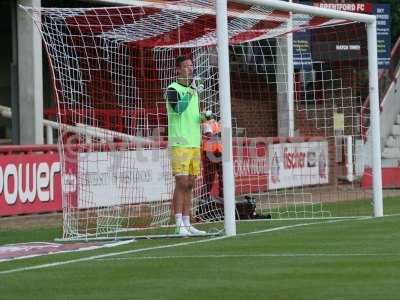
(299, 117)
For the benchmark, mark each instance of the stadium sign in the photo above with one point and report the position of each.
(353, 7)
(30, 184)
(124, 177)
(304, 52)
(383, 24)
(263, 167)
(302, 57)
(298, 164)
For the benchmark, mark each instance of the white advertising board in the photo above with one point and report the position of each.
(298, 164)
(112, 178)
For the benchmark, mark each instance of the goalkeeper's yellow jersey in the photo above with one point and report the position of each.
(184, 127)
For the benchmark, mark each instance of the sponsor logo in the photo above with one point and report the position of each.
(28, 181)
(298, 164)
(250, 166)
(293, 159)
(311, 159)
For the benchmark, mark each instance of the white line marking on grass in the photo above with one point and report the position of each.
(84, 259)
(248, 256)
(297, 225)
(392, 215)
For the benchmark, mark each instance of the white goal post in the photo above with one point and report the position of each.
(225, 102)
(370, 21)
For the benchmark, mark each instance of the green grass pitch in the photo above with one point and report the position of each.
(299, 259)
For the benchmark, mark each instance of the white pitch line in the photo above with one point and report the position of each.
(298, 225)
(249, 256)
(85, 259)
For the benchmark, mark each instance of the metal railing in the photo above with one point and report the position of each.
(89, 132)
(49, 126)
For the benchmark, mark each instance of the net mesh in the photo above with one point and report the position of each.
(111, 67)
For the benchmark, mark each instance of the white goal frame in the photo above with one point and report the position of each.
(225, 100)
(224, 88)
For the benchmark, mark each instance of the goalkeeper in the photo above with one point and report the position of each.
(184, 139)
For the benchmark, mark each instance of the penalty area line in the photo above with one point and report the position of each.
(216, 256)
(112, 254)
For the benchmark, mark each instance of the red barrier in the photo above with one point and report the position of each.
(27, 149)
(250, 166)
(390, 178)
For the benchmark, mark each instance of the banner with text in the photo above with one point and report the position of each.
(30, 184)
(298, 164)
(354, 48)
(302, 58)
(125, 177)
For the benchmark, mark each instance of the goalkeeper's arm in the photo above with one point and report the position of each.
(178, 103)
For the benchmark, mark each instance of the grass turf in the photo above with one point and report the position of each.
(350, 259)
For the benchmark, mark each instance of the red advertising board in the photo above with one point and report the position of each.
(250, 162)
(30, 183)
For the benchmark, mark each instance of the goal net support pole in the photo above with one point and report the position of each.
(370, 21)
(226, 118)
(375, 120)
(290, 79)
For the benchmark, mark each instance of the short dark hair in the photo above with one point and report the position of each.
(180, 59)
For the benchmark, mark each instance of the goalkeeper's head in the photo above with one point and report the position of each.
(184, 70)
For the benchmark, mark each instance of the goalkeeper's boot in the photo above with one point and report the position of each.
(195, 231)
(182, 231)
